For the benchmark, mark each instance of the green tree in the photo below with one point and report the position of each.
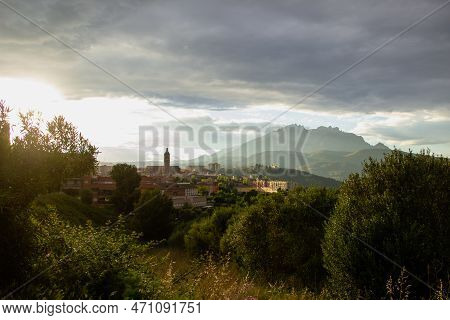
(204, 235)
(40, 160)
(400, 206)
(127, 187)
(153, 216)
(34, 163)
(280, 236)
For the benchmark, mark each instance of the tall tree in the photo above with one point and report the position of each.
(42, 159)
(154, 216)
(127, 186)
(37, 161)
(400, 206)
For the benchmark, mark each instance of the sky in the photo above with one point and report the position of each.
(229, 64)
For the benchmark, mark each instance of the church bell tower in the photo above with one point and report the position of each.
(167, 162)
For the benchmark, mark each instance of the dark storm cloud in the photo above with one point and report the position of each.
(227, 54)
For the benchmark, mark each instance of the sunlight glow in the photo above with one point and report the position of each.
(25, 93)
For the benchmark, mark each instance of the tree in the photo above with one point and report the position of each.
(127, 183)
(15, 226)
(72, 155)
(400, 206)
(34, 163)
(204, 235)
(280, 236)
(40, 160)
(4, 137)
(153, 216)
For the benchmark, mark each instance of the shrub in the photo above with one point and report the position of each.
(153, 216)
(280, 236)
(89, 262)
(205, 234)
(72, 210)
(86, 196)
(399, 206)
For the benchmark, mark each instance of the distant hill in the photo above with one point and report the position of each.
(304, 179)
(339, 165)
(325, 151)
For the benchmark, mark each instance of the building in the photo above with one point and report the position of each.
(72, 186)
(276, 185)
(167, 162)
(214, 166)
(101, 187)
(159, 170)
(196, 169)
(273, 185)
(195, 201)
(184, 189)
(104, 171)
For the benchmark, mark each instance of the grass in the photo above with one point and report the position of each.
(210, 278)
(72, 210)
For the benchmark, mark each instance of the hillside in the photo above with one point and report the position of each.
(73, 210)
(302, 178)
(325, 151)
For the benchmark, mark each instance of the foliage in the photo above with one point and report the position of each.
(127, 183)
(42, 160)
(204, 235)
(4, 137)
(86, 196)
(225, 197)
(72, 210)
(90, 262)
(203, 190)
(36, 162)
(400, 206)
(16, 249)
(184, 218)
(153, 216)
(280, 236)
(176, 238)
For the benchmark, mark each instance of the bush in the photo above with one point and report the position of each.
(205, 234)
(153, 216)
(86, 196)
(399, 206)
(89, 262)
(72, 210)
(280, 237)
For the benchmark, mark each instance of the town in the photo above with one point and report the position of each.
(192, 185)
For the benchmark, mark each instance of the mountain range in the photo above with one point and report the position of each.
(325, 151)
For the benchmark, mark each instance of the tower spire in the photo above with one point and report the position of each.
(167, 162)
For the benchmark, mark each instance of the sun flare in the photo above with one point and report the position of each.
(26, 93)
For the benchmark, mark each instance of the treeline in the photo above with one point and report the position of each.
(382, 234)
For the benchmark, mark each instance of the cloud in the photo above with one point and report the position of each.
(406, 129)
(211, 54)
